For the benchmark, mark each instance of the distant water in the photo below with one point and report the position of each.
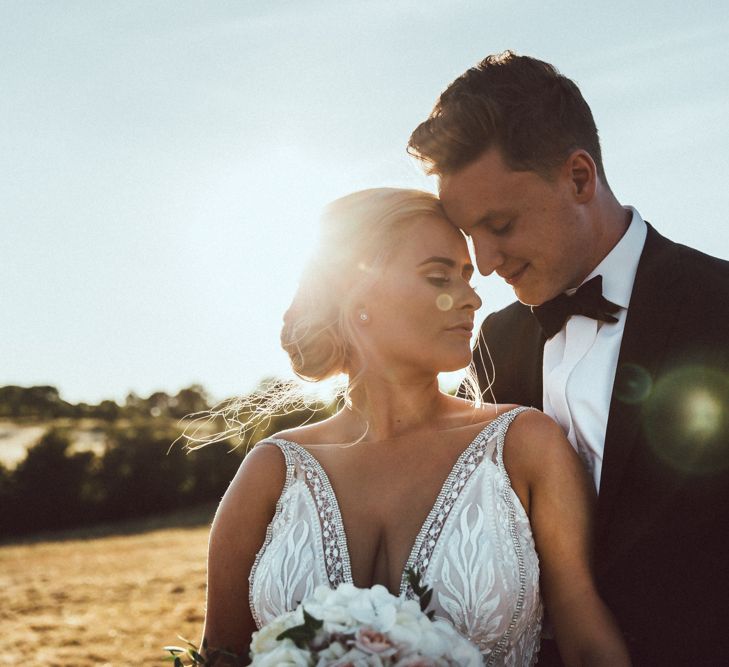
(15, 439)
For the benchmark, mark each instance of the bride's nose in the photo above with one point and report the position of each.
(468, 298)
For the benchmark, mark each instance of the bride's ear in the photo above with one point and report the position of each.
(582, 173)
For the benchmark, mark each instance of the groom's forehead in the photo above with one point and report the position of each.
(470, 200)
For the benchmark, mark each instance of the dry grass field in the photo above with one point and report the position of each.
(99, 598)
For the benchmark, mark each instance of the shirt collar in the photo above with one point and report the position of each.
(619, 266)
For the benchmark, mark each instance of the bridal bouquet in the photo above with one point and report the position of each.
(360, 627)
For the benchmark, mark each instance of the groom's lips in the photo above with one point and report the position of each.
(513, 278)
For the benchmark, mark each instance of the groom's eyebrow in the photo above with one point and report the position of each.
(490, 217)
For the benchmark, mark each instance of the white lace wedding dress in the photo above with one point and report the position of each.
(475, 549)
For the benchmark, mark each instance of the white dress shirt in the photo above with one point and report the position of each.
(579, 363)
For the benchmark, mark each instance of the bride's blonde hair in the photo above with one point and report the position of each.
(358, 234)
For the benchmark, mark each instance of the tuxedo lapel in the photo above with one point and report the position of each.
(527, 345)
(651, 317)
(535, 380)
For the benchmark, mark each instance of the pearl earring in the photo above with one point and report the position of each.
(363, 316)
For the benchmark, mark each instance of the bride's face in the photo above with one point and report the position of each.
(421, 308)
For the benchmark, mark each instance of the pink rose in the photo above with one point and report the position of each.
(370, 641)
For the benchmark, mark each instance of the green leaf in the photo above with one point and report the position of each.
(179, 663)
(312, 622)
(196, 656)
(304, 633)
(424, 593)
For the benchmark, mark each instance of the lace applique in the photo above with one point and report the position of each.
(475, 549)
(270, 530)
(461, 472)
(334, 539)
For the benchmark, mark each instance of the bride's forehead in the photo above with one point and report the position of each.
(434, 236)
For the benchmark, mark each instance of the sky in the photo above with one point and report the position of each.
(164, 163)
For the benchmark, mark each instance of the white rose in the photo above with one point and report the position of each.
(410, 608)
(336, 618)
(406, 632)
(331, 653)
(375, 610)
(340, 595)
(464, 654)
(265, 639)
(286, 654)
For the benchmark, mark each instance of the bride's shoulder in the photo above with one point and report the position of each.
(530, 431)
(323, 432)
(463, 412)
(536, 447)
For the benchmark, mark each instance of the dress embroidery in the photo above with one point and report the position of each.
(475, 549)
(336, 553)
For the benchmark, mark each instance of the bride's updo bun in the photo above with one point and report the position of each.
(358, 232)
(357, 236)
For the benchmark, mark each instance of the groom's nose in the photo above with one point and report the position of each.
(488, 256)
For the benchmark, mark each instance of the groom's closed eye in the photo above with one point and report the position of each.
(502, 229)
(496, 222)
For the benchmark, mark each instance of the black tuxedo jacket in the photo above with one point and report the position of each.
(660, 550)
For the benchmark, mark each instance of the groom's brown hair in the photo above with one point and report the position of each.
(521, 105)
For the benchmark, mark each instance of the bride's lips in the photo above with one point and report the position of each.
(464, 328)
(513, 278)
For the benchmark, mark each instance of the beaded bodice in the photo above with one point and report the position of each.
(475, 549)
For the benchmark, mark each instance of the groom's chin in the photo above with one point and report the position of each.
(527, 299)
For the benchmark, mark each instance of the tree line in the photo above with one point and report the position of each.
(45, 402)
(139, 472)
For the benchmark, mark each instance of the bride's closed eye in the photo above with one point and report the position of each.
(439, 280)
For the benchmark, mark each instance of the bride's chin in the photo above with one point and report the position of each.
(452, 365)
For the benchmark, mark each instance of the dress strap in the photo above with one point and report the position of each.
(503, 422)
(290, 473)
(334, 538)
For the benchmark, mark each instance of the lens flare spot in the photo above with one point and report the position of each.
(633, 383)
(444, 302)
(702, 414)
(686, 420)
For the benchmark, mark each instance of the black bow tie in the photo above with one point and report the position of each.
(587, 300)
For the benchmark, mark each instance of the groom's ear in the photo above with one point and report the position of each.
(582, 173)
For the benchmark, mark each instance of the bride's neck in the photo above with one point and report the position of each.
(392, 408)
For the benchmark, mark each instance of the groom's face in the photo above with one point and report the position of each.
(530, 230)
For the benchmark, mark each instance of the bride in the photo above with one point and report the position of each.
(488, 503)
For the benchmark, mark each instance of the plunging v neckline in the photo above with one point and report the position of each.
(427, 537)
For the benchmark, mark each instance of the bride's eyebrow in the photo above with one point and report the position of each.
(447, 261)
(439, 260)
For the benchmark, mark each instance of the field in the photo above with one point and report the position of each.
(106, 596)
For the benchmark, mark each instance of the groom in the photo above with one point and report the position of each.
(619, 334)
